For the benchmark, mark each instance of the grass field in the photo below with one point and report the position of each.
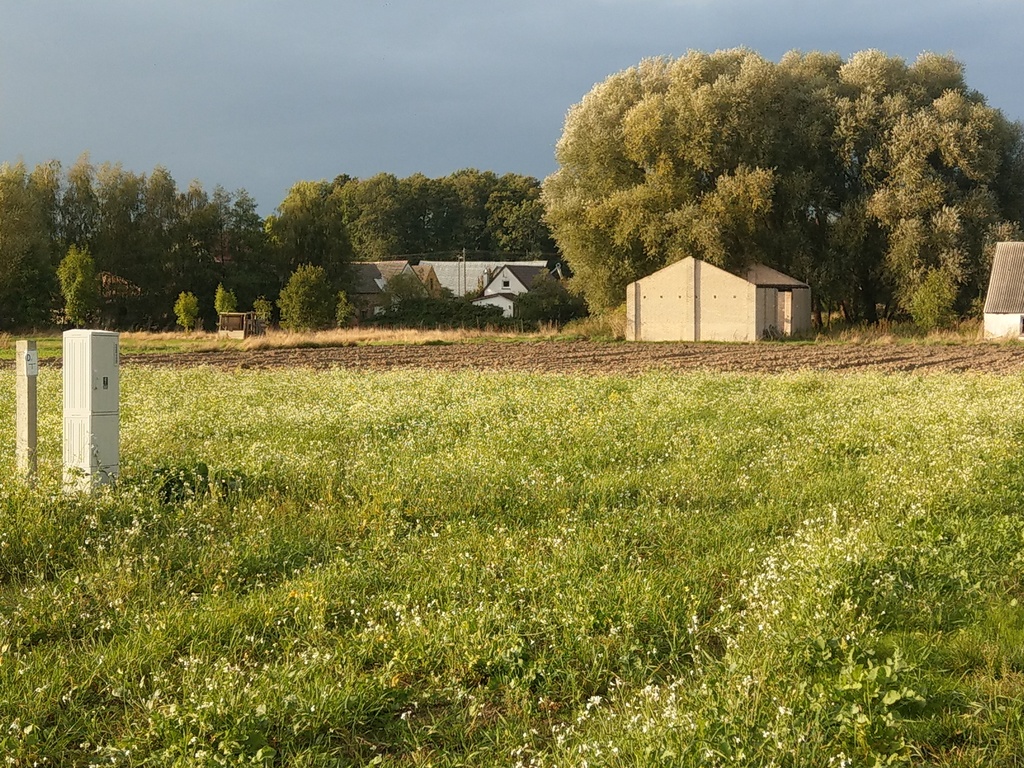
(131, 342)
(603, 328)
(412, 569)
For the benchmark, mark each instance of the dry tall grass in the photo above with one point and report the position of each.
(351, 336)
(608, 326)
(887, 332)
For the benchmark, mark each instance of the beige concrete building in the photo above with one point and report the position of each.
(692, 300)
(1004, 302)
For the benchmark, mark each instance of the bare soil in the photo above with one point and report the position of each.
(616, 357)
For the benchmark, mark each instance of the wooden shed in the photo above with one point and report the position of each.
(1004, 302)
(692, 300)
(238, 325)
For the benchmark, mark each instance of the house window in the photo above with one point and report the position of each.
(1022, 325)
(505, 284)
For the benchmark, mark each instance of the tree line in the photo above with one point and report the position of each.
(122, 246)
(881, 184)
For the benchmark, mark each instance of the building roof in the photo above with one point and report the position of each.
(423, 271)
(489, 296)
(766, 277)
(462, 277)
(760, 275)
(526, 274)
(373, 276)
(1006, 283)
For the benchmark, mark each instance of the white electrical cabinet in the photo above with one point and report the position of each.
(91, 408)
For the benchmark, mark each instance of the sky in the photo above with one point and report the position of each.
(259, 94)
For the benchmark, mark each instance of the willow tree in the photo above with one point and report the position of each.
(877, 182)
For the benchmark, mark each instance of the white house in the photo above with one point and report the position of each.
(506, 302)
(510, 281)
(1004, 303)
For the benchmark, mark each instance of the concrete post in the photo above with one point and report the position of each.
(26, 375)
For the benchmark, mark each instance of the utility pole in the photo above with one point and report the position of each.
(463, 289)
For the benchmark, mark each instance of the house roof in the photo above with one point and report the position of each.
(766, 277)
(1006, 283)
(423, 271)
(760, 275)
(373, 276)
(112, 285)
(462, 277)
(489, 296)
(526, 274)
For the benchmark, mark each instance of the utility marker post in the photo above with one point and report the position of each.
(26, 375)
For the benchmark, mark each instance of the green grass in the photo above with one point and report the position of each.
(405, 569)
(49, 344)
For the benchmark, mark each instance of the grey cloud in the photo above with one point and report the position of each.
(262, 94)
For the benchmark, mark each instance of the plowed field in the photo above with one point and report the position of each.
(620, 358)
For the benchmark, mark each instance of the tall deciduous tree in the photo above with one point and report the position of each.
(476, 210)
(26, 249)
(79, 208)
(245, 256)
(373, 211)
(871, 179)
(515, 216)
(149, 241)
(473, 189)
(309, 228)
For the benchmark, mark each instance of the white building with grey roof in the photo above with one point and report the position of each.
(1004, 302)
(508, 283)
(470, 277)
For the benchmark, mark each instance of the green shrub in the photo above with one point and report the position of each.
(263, 309)
(186, 309)
(307, 301)
(403, 287)
(606, 326)
(344, 311)
(225, 300)
(931, 306)
(548, 301)
(79, 285)
(442, 313)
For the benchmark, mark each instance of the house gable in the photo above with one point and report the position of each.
(692, 300)
(514, 279)
(369, 281)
